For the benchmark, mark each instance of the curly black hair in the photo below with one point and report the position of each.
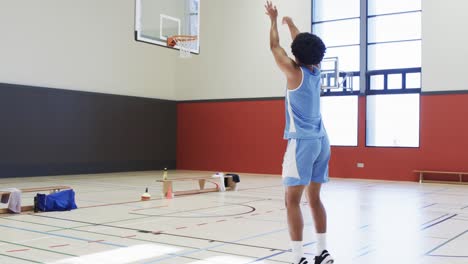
(308, 48)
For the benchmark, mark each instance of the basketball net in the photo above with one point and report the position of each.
(186, 44)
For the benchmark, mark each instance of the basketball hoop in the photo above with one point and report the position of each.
(185, 44)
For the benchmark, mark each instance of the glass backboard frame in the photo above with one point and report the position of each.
(332, 78)
(184, 25)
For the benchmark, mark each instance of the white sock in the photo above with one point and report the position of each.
(297, 251)
(321, 243)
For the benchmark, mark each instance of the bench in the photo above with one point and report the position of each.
(459, 174)
(168, 184)
(26, 208)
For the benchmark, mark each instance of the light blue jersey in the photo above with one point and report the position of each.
(303, 118)
(308, 152)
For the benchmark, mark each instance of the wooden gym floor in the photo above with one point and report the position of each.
(369, 222)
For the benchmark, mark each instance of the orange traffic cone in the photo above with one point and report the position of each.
(169, 194)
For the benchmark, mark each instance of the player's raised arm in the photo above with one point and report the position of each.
(292, 27)
(286, 64)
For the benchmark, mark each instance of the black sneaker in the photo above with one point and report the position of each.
(324, 258)
(302, 261)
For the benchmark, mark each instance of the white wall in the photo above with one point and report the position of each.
(445, 48)
(235, 60)
(85, 45)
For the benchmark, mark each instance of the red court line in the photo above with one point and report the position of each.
(141, 209)
(110, 204)
(56, 246)
(182, 227)
(18, 250)
(96, 241)
(221, 221)
(129, 236)
(202, 224)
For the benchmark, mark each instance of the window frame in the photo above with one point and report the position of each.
(366, 75)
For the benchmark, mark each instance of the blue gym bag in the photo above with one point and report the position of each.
(59, 201)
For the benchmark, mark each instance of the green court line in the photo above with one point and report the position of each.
(29, 260)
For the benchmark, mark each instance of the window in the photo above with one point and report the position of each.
(390, 59)
(393, 120)
(394, 73)
(340, 107)
(339, 115)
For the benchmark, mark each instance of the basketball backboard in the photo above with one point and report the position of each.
(333, 78)
(158, 20)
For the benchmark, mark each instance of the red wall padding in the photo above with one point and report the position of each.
(246, 136)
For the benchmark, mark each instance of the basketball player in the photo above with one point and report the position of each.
(305, 165)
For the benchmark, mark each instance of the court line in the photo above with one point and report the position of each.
(252, 209)
(279, 253)
(58, 235)
(41, 249)
(436, 191)
(111, 204)
(428, 206)
(133, 237)
(439, 222)
(13, 257)
(235, 242)
(18, 250)
(435, 219)
(447, 256)
(164, 233)
(91, 225)
(171, 256)
(445, 243)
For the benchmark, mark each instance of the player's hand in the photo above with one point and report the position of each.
(287, 20)
(271, 10)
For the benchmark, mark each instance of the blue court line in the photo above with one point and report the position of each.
(436, 191)
(279, 253)
(267, 257)
(439, 222)
(434, 219)
(171, 256)
(428, 206)
(445, 256)
(445, 243)
(62, 236)
(364, 253)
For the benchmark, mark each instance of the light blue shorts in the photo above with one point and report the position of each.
(305, 161)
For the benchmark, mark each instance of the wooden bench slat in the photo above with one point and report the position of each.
(195, 191)
(190, 179)
(39, 189)
(451, 173)
(442, 172)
